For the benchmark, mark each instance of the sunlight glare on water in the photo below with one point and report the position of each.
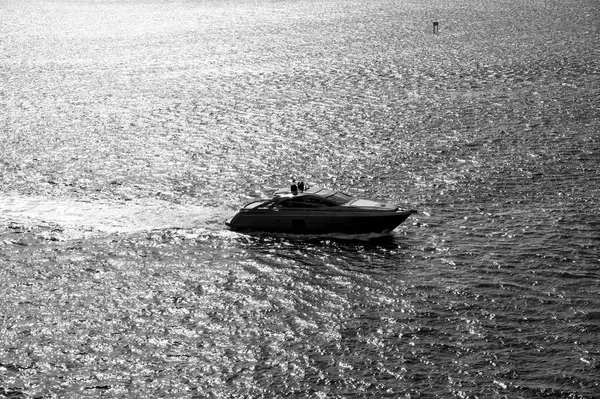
(131, 131)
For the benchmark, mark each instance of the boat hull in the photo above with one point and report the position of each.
(318, 222)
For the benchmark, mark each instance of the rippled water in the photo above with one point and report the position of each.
(130, 131)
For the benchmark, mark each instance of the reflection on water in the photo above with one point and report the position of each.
(132, 132)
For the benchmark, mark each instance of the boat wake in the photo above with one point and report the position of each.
(79, 218)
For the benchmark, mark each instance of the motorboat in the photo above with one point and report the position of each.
(317, 210)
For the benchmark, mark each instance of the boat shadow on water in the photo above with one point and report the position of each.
(368, 241)
(329, 254)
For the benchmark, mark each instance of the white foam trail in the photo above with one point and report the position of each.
(108, 217)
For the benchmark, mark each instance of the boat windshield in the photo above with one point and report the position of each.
(257, 204)
(339, 198)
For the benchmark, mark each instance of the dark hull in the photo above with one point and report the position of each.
(318, 222)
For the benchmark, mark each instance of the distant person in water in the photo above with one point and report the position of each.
(436, 27)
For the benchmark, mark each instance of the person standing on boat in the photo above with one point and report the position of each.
(294, 187)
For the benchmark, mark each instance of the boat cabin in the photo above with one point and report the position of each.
(312, 198)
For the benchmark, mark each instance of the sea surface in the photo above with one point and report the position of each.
(130, 131)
